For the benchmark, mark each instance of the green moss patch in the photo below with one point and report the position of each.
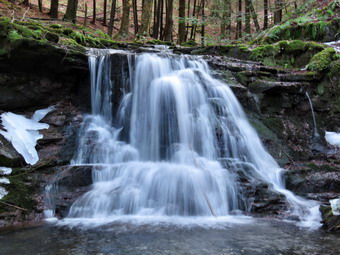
(322, 60)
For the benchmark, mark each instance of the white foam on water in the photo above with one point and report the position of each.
(333, 138)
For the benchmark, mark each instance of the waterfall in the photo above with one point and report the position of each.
(316, 134)
(174, 147)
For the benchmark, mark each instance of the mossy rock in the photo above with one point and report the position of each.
(52, 37)
(321, 61)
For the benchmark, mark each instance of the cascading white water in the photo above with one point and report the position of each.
(161, 154)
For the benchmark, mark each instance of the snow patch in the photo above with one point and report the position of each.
(5, 170)
(23, 133)
(333, 138)
(3, 192)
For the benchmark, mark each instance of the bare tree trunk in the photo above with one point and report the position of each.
(40, 4)
(71, 11)
(278, 11)
(112, 18)
(168, 20)
(135, 16)
(161, 28)
(247, 17)
(265, 13)
(226, 19)
(239, 20)
(94, 12)
(181, 22)
(193, 26)
(85, 14)
(254, 15)
(54, 9)
(105, 10)
(146, 17)
(124, 26)
(203, 25)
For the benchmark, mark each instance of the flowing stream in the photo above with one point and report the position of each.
(173, 149)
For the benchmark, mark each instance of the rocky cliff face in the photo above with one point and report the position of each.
(34, 76)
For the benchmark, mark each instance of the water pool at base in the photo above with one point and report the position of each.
(261, 236)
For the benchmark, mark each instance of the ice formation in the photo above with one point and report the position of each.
(23, 133)
(5, 170)
(333, 138)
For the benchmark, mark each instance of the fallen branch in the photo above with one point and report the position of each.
(17, 207)
(23, 16)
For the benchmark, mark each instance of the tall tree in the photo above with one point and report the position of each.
(226, 16)
(254, 15)
(71, 11)
(181, 21)
(54, 9)
(168, 20)
(247, 17)
(265, 14)
(104, 15)
(278, 11)
(40, 4)
(112, 17)
(94, 12)
(146, 17)
(239, 20)
(124, 25)
(135, 15)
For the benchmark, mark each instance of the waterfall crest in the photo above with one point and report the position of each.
(174, 147)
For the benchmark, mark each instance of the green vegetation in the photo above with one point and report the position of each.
(322, 60)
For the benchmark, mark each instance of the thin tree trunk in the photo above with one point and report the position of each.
(239, 20)
(71, 11)
(187, 25)
(203, 25)
(161, 28)
(94, 12)
(193, 26)
(254, 15)
(135, 16)
(112, 18)
(181, 22)
(54, 9)
(168, 20)
(155, 19)
(85, 14)
(124, 26)
(104, 17)
(40, 4)
(265, 13)
(26, 2)
(247, 17)
(226, 15)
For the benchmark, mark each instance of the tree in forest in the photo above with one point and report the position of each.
(247, 27)
(146, 17)
(168, 20)
(40, 5)
(265, 14)
(112, 18)
(71, 11)
(226, 19)
(278, 11)
(94, 12)
(181, 21)
(124, 26)
(239, 20)
(54, 9)
(135, 16)
(104, 15)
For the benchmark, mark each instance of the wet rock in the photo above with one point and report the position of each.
(71, 183)
(330, 222)
(318, 182)
(9, 157)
